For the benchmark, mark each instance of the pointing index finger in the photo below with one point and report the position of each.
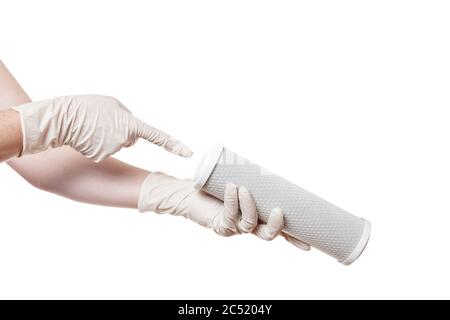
(163, 139)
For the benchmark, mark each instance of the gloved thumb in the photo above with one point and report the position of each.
(162, 139)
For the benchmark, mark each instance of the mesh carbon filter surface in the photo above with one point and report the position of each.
(307, 217)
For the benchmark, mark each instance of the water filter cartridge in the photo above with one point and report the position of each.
(307, 217)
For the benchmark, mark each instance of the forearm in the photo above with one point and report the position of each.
(10, 134)
(65, 172)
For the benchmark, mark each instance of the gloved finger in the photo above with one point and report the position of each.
(273, 226)
(231, 203)
(296, 242)
(249, 218)
(161, 139)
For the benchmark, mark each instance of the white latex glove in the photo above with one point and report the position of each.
(96, 126)
(237, 214)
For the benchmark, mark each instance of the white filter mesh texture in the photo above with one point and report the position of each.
(307, 217)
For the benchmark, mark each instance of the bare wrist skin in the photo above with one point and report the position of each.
(11, 143)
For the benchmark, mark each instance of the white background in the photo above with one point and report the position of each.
(349, 99)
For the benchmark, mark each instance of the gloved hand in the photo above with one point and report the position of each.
(237, 214)
(96, 126)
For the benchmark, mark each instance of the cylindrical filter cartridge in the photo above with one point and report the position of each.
(307, 217)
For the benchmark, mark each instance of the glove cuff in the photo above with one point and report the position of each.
(162, 193)
(39, 128)
(22, 128)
